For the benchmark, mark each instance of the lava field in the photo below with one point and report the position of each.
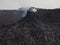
(43, 28)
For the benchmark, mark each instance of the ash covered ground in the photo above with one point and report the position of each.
(29, 31)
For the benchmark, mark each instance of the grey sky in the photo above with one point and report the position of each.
(15, 4)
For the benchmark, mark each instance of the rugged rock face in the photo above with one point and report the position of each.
(42, 28)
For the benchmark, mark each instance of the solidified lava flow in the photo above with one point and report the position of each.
(35, 28)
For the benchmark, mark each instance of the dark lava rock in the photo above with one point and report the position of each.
(42, 28)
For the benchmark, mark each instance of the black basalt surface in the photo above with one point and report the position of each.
(42, 28)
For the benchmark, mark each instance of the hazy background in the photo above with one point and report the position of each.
(15, 4)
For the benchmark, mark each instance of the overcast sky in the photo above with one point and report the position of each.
(15, 4)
